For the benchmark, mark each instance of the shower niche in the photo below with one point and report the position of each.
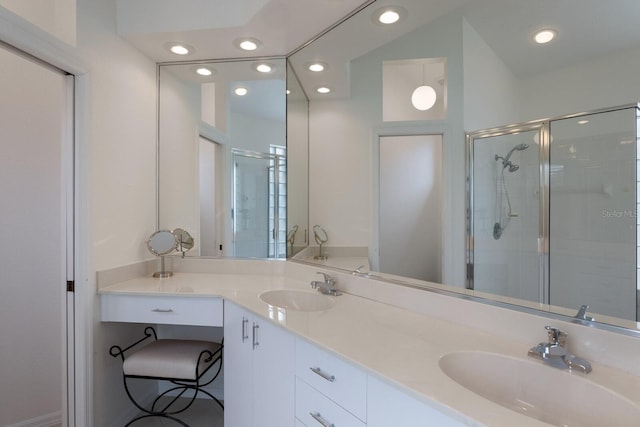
(552, 211)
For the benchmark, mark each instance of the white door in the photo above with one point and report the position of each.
(410, 206)
(35, 159)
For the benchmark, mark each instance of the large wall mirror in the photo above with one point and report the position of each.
(223, 158)
(382, 163)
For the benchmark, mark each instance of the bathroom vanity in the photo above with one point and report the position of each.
(356, 361)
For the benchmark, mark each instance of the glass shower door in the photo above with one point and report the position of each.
(259, 211)
(505, 216)
(593, 216)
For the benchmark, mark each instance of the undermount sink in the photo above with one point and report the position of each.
(298, 300)
(547, 394)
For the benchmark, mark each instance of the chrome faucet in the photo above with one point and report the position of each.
(328, 287)
(554, 352)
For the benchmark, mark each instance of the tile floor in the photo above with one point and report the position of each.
(203, 412)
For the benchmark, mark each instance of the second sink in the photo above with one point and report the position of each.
(538, 391)
(297, 300)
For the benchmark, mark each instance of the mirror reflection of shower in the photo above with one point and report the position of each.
(504, 212)
(320, 236)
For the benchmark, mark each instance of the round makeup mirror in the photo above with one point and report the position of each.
(320, 236)
(162, 242)
(185, 240)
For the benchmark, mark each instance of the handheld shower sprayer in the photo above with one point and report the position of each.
(506, 163)
(504, 217)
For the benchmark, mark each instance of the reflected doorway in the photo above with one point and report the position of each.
(410, 207)
(210, 180)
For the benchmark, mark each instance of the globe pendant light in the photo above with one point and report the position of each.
(423, 97)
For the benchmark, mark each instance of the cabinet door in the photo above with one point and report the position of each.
(273, 376)
(388, 406)
(238, 362)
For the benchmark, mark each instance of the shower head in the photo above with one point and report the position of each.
(519, 147)
(506, 163)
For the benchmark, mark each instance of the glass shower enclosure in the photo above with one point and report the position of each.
(552, 211)
(259, 203)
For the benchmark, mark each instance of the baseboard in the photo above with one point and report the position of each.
(53, 419)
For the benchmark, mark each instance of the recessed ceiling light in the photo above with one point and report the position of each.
(316, 67)
(240, 91)
(263, 67)
(323, 89)
(203, 71)
(544, 36)
(247, 43)
(179, 48)
(389, 15)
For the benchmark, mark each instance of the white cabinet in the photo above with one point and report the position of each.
(315, 409)
(156, 309)
(388, 406)
(329, 391)
(258, 371)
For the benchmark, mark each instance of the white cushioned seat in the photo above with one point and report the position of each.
(168, 358)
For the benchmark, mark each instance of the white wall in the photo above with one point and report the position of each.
(604, 82)
(491, 91)
(122, 186)
(57, 17)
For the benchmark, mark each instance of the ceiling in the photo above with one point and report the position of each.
(212, 26)
(586, 29)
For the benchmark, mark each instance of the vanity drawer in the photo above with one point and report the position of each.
(310, 403)
(339, 381)
(173, 310)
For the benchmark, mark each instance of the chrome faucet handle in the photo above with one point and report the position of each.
(328, 279)
(582, 314)
(556, 336)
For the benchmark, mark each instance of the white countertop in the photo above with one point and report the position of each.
(398, 345)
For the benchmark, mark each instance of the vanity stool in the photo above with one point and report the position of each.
(183, 363)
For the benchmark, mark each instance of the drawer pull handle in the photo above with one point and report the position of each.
(256, 343)
(324, 375)
(245, 321)
(162, 310)
(316, 416)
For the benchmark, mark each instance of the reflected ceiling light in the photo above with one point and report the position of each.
(203, 71)
(316, 67)
(179, 48)
(241, 91)
(583, 122)
(263, 67)
(247, 43)
(288, 92)
(389, 15)
(323, 89)
(424, 97)
(544, 36)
